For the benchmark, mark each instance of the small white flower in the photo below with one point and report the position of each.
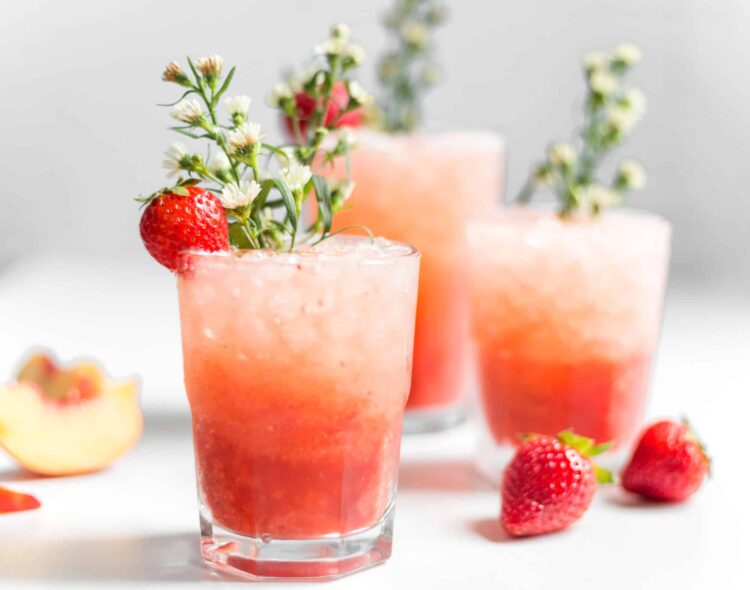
(331, 47)
(356, 53)
(296, 176)
(237, 105)
(431, 75)
(338, 46)
(248, 135)
(359, 94)
(172, 72)
(632, 174)
(414, 33)
(596, 60)
(562, 154)
(343, 187)
(635, 100)
(622, 119)
(210, 66)
(280, 93)
(603, 83)
(341, 31)
(346, 136)
(188, 110)
(218, 162)
(173, 158)
(239, 194)
(628, 53)
(598, 197)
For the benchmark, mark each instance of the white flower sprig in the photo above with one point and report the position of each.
(406, 71)
(233, 168)
(610, 114)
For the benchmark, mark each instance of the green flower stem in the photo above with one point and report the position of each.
(217, 136)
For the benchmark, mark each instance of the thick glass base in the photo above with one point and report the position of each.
(434, 419)
(324, 558)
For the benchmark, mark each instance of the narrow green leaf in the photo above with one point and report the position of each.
(195, 72)
(260, 201)
(183, 131)
(276, 151)
(238, 237)
(171, 104)
(323, 195)
(225, 85)
(288, 200)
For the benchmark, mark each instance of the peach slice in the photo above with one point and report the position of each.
(56, 421)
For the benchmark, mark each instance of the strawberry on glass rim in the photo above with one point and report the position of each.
(184, 217)
(550, 483)
(251, 193)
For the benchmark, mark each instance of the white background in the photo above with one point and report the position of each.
(80, 134)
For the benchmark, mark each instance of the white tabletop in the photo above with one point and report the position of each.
(137, 522)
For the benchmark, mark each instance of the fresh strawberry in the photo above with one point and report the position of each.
(339, 101)
(550, 483)
(185, 217)
(669, 463)
(16, 502)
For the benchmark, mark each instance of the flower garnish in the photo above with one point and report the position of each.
(406, 71)
(262, 187)
(189, 111)
(320, 100)
(239, 194)
(611, 112)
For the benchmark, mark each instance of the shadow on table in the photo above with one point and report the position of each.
(18, 474)
(491, 530)
(454, 475)
(136, 558)
(618, 497)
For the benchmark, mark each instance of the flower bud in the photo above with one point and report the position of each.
(596, 60)
(414, 33)
(630, 175)
(210, 67)
(430, 75)
(628, 54)
(563, 155)
(173, 73)
(603, 83)
(341, 31)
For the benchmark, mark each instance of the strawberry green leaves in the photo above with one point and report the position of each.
(588, 448)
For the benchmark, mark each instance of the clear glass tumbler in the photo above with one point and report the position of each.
(566, 317)
(297, 369)
(422, 189)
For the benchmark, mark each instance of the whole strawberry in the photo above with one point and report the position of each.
(185, 217)
(339, 101)
(669, 463)
(550, 483)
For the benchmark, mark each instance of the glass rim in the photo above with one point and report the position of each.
(405, 251)
(494, 215)
(485, 136)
